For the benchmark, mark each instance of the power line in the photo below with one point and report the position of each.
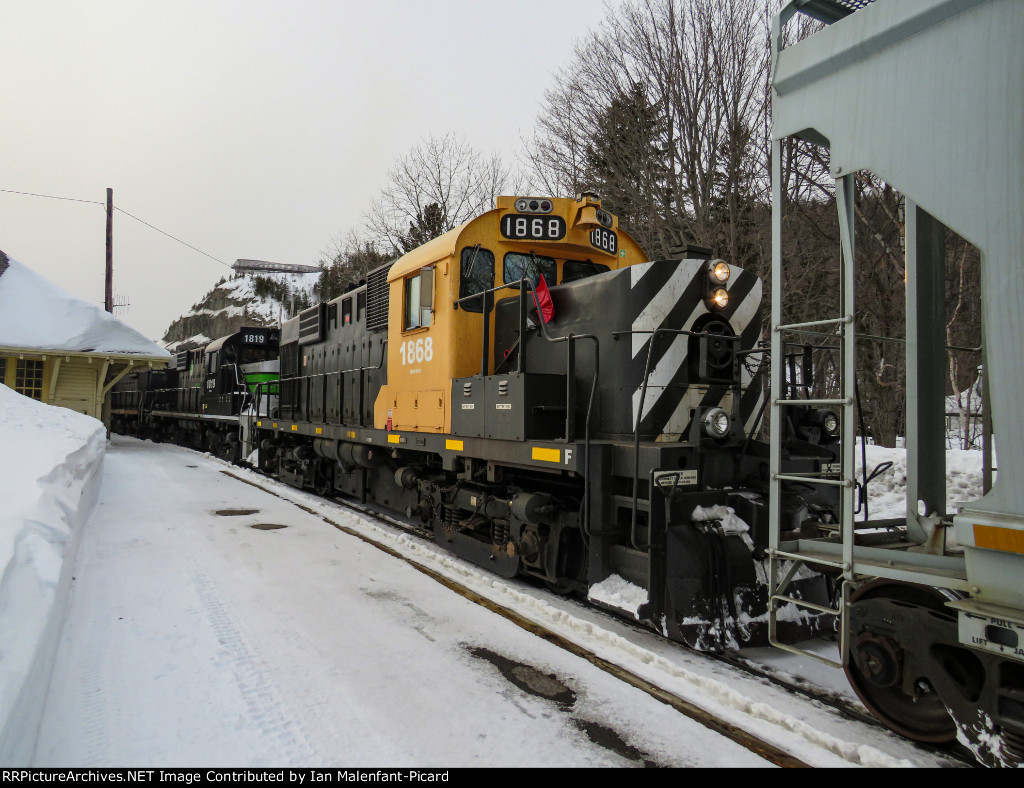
(51, 197)
(130, 216)
(190, 246)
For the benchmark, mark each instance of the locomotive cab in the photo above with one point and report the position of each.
(442, 304)
(234, 365)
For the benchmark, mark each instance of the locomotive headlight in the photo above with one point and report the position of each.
(533, 205)
(719, 271)
(719, 298)
(830, 424)
(716, 423)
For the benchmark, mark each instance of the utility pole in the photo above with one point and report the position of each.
(108, 301)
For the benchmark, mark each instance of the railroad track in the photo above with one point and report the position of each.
(765, 749)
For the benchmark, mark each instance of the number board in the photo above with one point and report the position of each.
(532, 227)
(258, 336)
(605, 240)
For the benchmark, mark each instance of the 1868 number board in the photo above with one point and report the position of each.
(605, 240)
(533, 228)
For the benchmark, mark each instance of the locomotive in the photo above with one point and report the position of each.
(542, 400)
(197, 400)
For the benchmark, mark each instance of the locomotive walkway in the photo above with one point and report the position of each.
(215, 622)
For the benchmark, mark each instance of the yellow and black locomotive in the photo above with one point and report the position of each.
(544, 400)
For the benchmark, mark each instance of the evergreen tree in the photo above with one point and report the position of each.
(430, 223)
(626, 163)
(349, 265)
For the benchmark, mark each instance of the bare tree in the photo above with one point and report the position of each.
(443, 178)
(702, 65)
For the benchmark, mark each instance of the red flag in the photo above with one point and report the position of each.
(545, 306)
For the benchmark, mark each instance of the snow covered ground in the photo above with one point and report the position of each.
(217, 624)
(199, 634)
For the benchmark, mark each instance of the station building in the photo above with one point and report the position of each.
(61, 350)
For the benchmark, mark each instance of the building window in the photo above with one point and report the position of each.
(3, 370)
(28, 378)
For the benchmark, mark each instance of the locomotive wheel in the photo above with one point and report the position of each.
(558, 587)
(875, 671)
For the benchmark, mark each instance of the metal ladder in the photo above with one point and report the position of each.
(780, 554)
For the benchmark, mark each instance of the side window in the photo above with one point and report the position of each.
(529, 266)
(477, 268)
(419, 299)
(346, 311)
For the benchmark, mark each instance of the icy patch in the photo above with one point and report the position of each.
(619, 593)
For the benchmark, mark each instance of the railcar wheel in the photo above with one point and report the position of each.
(875, 669)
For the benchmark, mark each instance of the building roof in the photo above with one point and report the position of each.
(37, 315)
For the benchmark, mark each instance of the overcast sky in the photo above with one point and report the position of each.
(255, 129)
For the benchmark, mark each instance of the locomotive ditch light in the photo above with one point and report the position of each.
(717, 423)
(718, 299)
(718, 272)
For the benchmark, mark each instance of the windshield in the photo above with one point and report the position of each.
(529, 266)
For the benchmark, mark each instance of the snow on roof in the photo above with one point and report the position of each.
(36, 314)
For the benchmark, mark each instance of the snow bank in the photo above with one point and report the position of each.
(888, 491)
(49, 478)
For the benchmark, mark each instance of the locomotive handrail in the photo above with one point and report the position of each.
(685, 332)
(570, 376)
(486, 313)
(640, 410)
(296, 378)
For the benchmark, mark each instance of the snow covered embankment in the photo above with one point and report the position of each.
(49, 476)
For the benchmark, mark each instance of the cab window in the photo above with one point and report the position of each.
(529, 266)
(477, 276)
(419, 299)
